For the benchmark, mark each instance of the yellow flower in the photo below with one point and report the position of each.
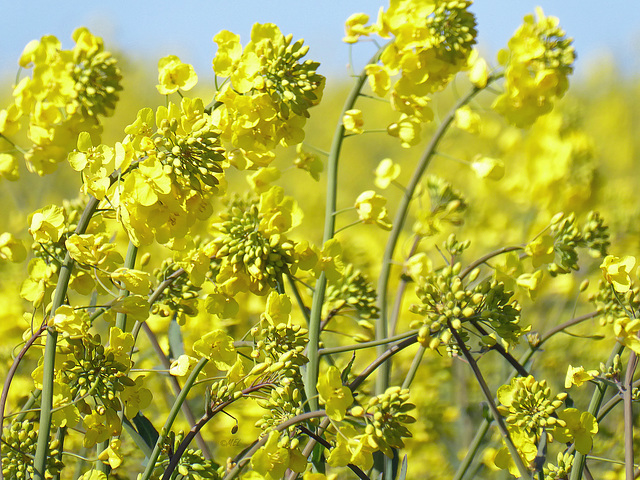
(135, 397)
(112, 454)
(352, 121)
(9, 166)
(182, 365)
(271, 460)
(407, 129)
(371, 209)
(580, 429)
(541, 250)
(174, 75)
(47, 224)
(467, 120)
(418, 265)
(386, 172)
(11, 248)
(486, 167)
(355, 27)
(379, 79)
(577, 376)
(617, 271)
(479, 71)
(334, 394)
(218, 347)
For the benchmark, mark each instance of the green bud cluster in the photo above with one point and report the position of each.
(445, 300)
(293, 85)
(19, 443)
(97, 78)
(447, 206)
(454, 246)
(91, 371)
(283, 403)
(567, 238)
(612, 372)
(222, 391)
(596, 234)
(531, 405)
(284, 342)
(356, 291)
(193, 160)
(385, 416)
(241, 243)
(559, 53)
(192, 464)
(611, 305)
(180, 297)
(453, 29)
(562, 470)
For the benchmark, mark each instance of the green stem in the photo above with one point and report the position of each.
(594, 407)
(414, 367)
(46, 399)
(175, 385)
(628, 415)
(360, 346)
(256, 446)
(315, 317)
(524, 472)
(177, 405)
(484, 426)
(129, 262)
(398, 223)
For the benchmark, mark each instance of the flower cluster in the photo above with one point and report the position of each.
(66, 94)
(251, 246)
(447, 206)
(537, 64)
(270, 91)
(447, 304)
(430, 43)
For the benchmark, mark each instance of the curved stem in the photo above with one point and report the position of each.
(46, 399)
(129, 262)
(628, 415)
(398, 224)
(492, 405)
(329, 231)
(175, 385)
(256, 446)
(171, 418)
(484, 426)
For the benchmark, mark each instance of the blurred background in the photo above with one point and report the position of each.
(147, 31)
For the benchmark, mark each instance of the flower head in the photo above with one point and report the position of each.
(334, 394)
(617, 271)
(174, 75)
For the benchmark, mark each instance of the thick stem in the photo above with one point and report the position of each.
(594, 407)
(524, 473)
(398, 224)
(171, 418)
(129, 262)
(628, 416)
(46, 399)
(315, 317)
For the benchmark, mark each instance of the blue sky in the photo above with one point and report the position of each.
(148, 30)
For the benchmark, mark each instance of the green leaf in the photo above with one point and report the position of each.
(146, 432)
(403, 469)
(176, 343)
(344, 376)
(139, 440)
